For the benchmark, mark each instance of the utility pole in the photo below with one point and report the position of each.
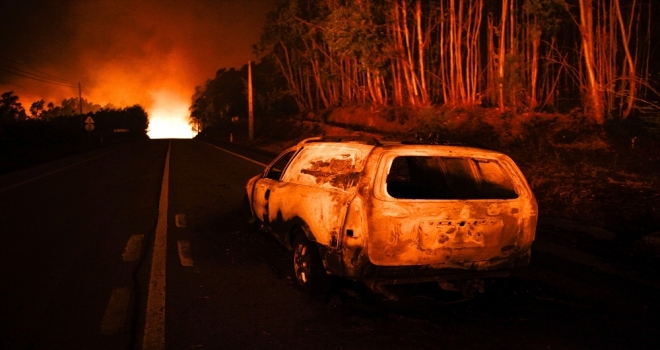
(80, 100)
(250, 110)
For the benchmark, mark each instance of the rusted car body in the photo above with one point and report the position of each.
(393, 213)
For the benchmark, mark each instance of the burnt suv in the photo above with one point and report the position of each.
(396, 212)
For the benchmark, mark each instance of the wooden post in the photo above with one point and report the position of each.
(80, 100)
(250, 110)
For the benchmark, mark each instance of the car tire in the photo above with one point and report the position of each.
(308, 268)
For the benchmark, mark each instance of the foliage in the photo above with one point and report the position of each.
(220, 99)
(518, 54)
(37, 108)
(132, 120)
(522, 56)
(224, 97)
(10, 109)
(351, 31)
(547, 15)
(68, 107)
(25, 141)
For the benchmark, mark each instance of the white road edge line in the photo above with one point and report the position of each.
(58, 170)
(154, 328)
(238, 155)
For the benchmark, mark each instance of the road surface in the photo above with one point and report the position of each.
(141, 246)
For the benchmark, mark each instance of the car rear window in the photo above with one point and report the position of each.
(428, 177)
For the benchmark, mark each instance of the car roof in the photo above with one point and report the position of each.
(416, 143)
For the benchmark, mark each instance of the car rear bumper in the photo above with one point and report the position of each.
(426, 273)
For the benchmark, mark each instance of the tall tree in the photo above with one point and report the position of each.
(37, 108)
(10, 109)
(631, 74)
(502, 53)
(418, 52)
(593, 88)
(220, 98)
(539, 17)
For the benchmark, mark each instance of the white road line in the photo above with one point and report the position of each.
(180, 220)
(58, 170)
(238, 155)
(115, 314)
(154, 328)
(133, 248)
(185, 254)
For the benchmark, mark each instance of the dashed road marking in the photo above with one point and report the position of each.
(115, 314)
(133, 248)
(185, 255)
(154, 328)
(180, 220)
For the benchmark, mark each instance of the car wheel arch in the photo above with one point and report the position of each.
(309, 269)
(298, 226)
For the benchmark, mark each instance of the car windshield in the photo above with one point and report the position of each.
(427, 177)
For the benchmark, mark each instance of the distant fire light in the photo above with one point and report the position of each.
(168, 117)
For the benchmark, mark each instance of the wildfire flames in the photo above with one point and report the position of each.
(152, 53)
(168, 116)
(160, 84)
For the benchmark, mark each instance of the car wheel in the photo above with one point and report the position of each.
(308, 267)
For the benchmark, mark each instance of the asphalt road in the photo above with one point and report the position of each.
(87, 264)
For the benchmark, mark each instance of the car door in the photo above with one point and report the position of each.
(264, 187)
(317, 187)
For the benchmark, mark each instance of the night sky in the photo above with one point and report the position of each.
(150, 52)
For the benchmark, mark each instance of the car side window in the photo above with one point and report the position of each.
(278, 167)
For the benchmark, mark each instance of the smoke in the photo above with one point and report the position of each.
(131, 52)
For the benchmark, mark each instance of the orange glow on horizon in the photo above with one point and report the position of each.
(153, 55)
(168, 117)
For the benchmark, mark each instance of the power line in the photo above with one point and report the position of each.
(42, 76)
(90, 96)
(29, 75)
(37, 79)
(52, 77)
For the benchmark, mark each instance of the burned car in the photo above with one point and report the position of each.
(395, 212)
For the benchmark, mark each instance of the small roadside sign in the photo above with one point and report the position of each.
(89, 126)
(89, 120)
